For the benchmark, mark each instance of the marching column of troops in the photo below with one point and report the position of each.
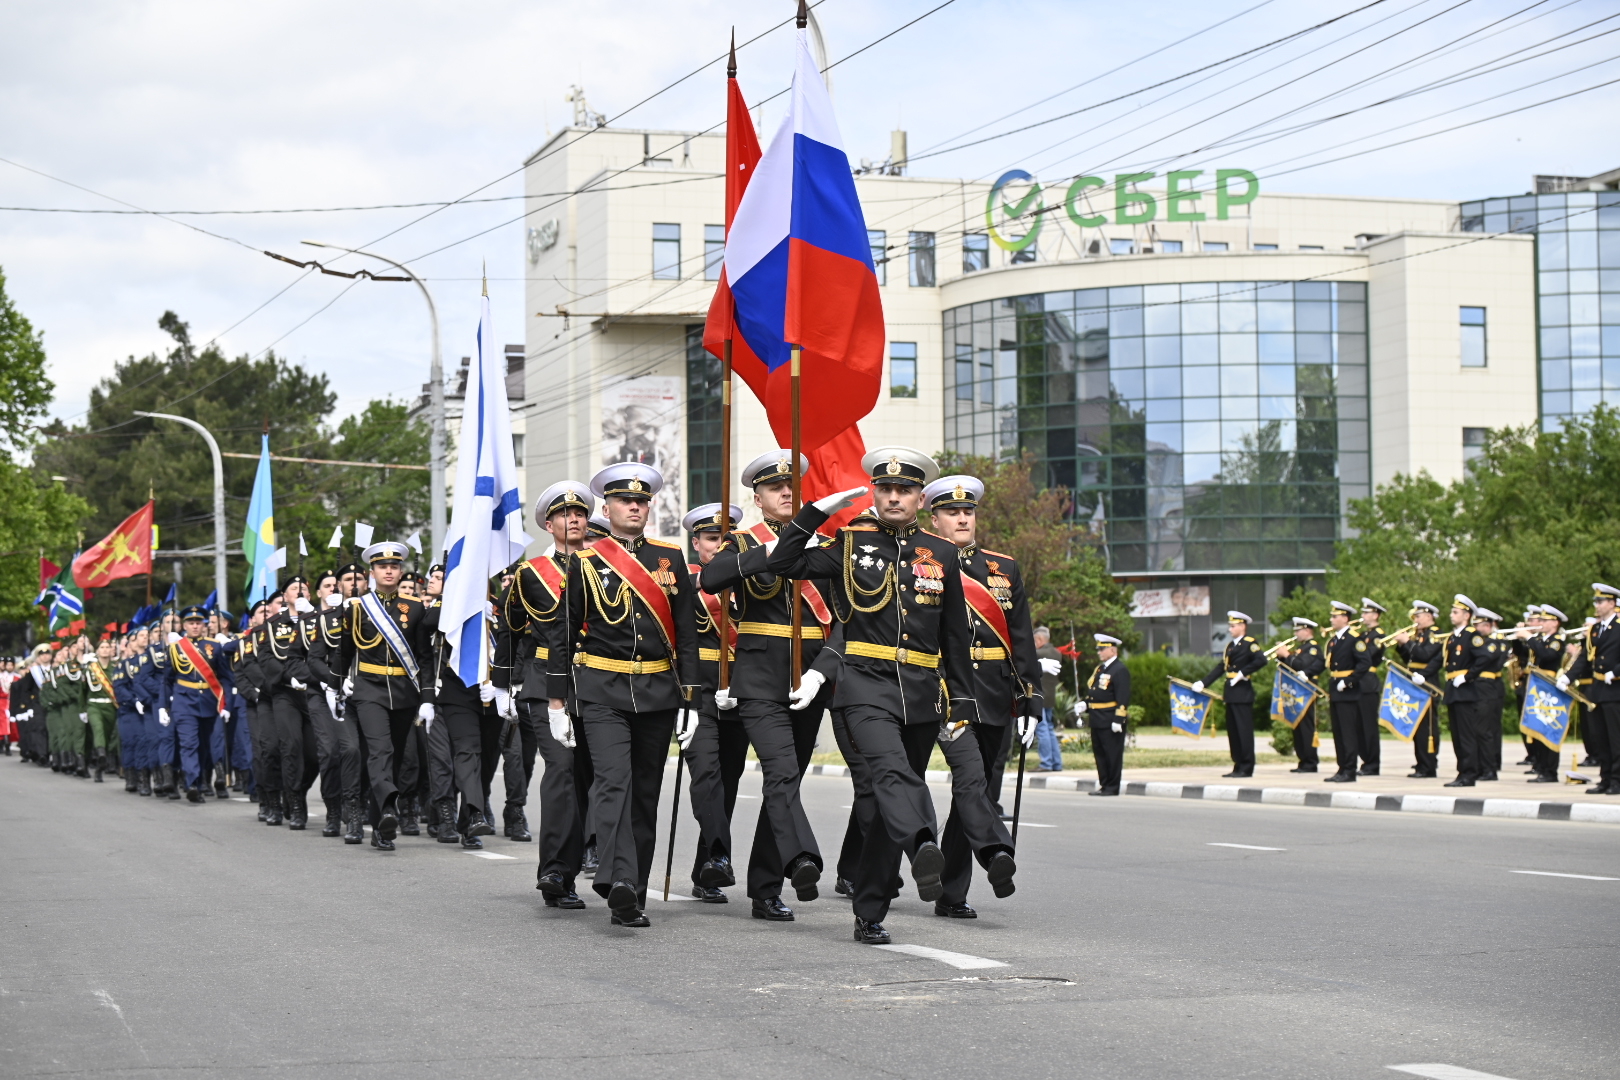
(603, 649)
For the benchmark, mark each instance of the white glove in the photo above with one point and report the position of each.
(303, 606)
(505, 704)
(1460, 679)
(332, 599)
(424, 715)
(140, 708)
(562, 726)
(1342, 684)
(1050, 666)
(348, 686)
(844, 499)
(163, 716)
(172, 638)
(1238, 676)
(224, 714)
(949, 732)
(486, 692)
(810, 684)
(1026, 729)
(1117, 728)
(331, 701)
(1418, 679)
(84, 718)
(1198, 687)
(723, 699)
(1563, 681)
(1608, 678)
(686, 725)
(1080, 708)
(296, 685)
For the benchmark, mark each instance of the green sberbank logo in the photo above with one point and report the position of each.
(1131, 207)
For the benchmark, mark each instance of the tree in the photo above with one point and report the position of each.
(24, 389)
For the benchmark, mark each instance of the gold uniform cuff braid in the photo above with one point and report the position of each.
(812, 632)
(622, 667)
(542, 653)
(886, 652)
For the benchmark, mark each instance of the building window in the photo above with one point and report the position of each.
(1216, 245)
(922, 260)
(878, 240)
(1473, 336)
(702, 418)
(1310, 247)
(714, 251)
(1170, 247)
(1025, 255)
(517, 449)
(1265, 247)
(1121, 247)
(1473, 443)
(903, 369)
(975, 252)
(667, 252)
(964, 373)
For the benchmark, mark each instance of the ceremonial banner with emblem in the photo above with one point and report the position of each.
(1291, 696)
(125, 552)
(1189, 708)
(1547, 711)
(1404, 703)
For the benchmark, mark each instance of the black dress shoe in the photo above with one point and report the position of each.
(589, 863)
(1343, 776)
(1542, 778)
(1526, 761)
(471, 842)
(1590, 762)
(1460, 782)
(1601, 789)
(1301, 769)
(804, 875)
(1000, 876)
(717, 872)
(772, 909)
(1489, 776)
(926, 866)
(569, 901)
(387, 827)
(708, 895)
(954, 911)
(1104, 791)
(1367, 770)
(845, 887)
(195, 796)
(333, 825)
(630, 917)
(622, 896)
(1419, 774)
(1224, 776)
(870, 933)
(381, 843)
(477, 826)
(552, 884)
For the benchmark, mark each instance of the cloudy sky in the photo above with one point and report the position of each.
(205, 106)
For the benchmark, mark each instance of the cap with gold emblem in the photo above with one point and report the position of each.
(1424, 605)
(1369, 604)
(597, 527)
(1486, 615)
(1461, 601)
(1553, 613)
(1339, 605)
(1302, 623)
(706, 518)
(561, 496)
(1237, 616)
(954, 491)
(628, 479)
(385, 551)
(899, 465)
(1105, 639)
(1601, 591)
(772, 467)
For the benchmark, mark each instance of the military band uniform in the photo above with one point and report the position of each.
(715, 759)
(1348, 661)
(1108, 696)
(1493, 700)
(1466, 656)
(279, 647)
(1596, 674)
(338, 740)
(1423, 654)
(1542, 653)
(1309, 662)
(1242, 657)
(1369, 743)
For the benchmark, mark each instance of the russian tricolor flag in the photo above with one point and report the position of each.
(799, 269)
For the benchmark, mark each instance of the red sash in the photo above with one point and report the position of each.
(205, 670)
(550, 576)
(812, 595)
(642, 584)
(712, 602)
(985, 607)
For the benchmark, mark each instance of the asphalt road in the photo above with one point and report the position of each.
(149, 938)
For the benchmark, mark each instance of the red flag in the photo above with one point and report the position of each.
(125, 552)
(1069, 650)
(47, 572)
(835, 466)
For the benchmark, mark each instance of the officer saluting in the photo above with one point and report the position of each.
(385, 645)
(1108, 695)
(1348, 661)
(898, 592)
(1595, 671)
(1305, 657)
(1242, 658)
(1423, 653)
(634, 665)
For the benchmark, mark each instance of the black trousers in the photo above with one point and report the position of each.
(1108, 747)
(1488, 716)
(1304, 737)
(995, 766)
(973, 828)
(1465, 738)
(294, 748)
(266, 751)
(386, 731)
(518, 752)
(1240, 735)
(1605, 717)
(565, 786)
(1346, 732)
(783, 740)
(715, 760)
(863, 808)
(1594, 734)
(337, 751)
(1543, 757)
(897, 756)
(628, 751)
(459, 730)
(1368, 744)
(1425, 736)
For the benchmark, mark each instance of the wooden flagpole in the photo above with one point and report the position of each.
(798, 498)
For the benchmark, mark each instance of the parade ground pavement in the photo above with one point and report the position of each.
(1148, 938)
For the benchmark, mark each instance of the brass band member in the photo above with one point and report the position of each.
(1108, 696)
(1370, 744)
(1305, 657)
(1348, 661)
(1594, 671)
(1542, 650)
(1423, 653)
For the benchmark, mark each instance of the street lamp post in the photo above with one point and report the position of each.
(436, 426)
(221, 585)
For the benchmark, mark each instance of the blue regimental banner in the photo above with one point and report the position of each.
(1547, 710)
(1404, 703)
(1189, 708)
(1291, 696)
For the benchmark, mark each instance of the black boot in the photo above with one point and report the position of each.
(171, 782)
(430, 819)
(297, 811)
(236, 780)
(445, 810)
(333, 825)
(517, 826)
(407, 816)
(132, 780)
(478, 826)
(222, 788)
(144, 782)
(272, 809)
(353, 831)
(101, 766)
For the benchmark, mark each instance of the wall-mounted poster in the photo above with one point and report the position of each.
(641, 421)
(1170, 603)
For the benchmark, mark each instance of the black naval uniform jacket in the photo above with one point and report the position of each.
(277, 644)
(1307, 659)
(898, 592)
(379, 678)
(323, 646)
(1600, 653)
(1003, 686)
(1108, 693)
(1371, 684)
(1543, 653)
(1242, 655)
(532, 613)
(1348, 660)
(708, 639)
(619, 657)
(762, 612)
(1423, 654)
(1466, 655)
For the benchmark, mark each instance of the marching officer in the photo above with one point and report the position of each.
(1006, 677)
(1305, 657)
(1370, 742)
(1423, 654)
(906, 671)
(1239, 662)
(461, 715)
(760, 689)
(1594, 671)
(101, 707)
(1465, 662)
(1108, 696)
(337, 736)
(1542, 651)
(634, 667)
(280, 649)
(194, 697)
(1348, 662)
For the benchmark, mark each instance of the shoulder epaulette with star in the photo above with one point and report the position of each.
(662, 543)
(997, 554)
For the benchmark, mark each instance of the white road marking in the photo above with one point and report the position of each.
(1444, 1072)
(1549, 873)
(244, 798)
(955, 959)
(1248, 847)
(1034, 825)
(675, 894)
(744, 796)
(486, 855)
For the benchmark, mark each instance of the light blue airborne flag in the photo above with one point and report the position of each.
(1547, 711)
(1189, 708)
(486, 528)
(1291, 696)
(1404, 703)
(259, 534)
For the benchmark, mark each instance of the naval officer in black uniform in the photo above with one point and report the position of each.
(1466, 662)
(1305, 657)
(1108, 696)
(1594, 671)
(1348, 661)
(1423, 652)
(1239, 662)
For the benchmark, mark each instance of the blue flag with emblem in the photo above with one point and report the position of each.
(1547, 711)
(259, 533)
(1291, 696)
(1189, 708)
(1404, 703)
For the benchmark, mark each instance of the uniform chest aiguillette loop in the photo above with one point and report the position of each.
(392, 634)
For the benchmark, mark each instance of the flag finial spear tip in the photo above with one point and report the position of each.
(731, 63)
(804, 15)
(485, 274)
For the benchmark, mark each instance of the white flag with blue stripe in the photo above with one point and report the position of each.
(486, 523)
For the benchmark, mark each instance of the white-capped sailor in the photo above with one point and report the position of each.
(1348, 662)
(1370, 744)
(1239, 662)
(1465, 669)
(1541, 651)
(1304, 656)
(1422, 650)
(1108, 697)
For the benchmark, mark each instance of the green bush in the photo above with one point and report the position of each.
(1282, 738)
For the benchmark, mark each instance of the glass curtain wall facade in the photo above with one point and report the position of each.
(1577, 291)
(1209, 427)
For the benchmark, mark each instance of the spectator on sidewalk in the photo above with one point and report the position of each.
(1046, 736)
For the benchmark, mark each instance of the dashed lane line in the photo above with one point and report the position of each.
(1444, 1072)
(1247, 847)
(962, 961)
(1549, 873)
(487, 855)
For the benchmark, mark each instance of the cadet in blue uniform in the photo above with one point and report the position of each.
(1305, 657)
(1594, 672)
(1348, 662)
(1108, 696)
(1242, 658)
(194, 698)
(126, 683)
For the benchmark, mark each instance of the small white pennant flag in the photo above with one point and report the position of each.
(362, 534)
(415, 541)
(337, 538)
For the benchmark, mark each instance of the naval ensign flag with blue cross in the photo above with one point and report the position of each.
(486, 523)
